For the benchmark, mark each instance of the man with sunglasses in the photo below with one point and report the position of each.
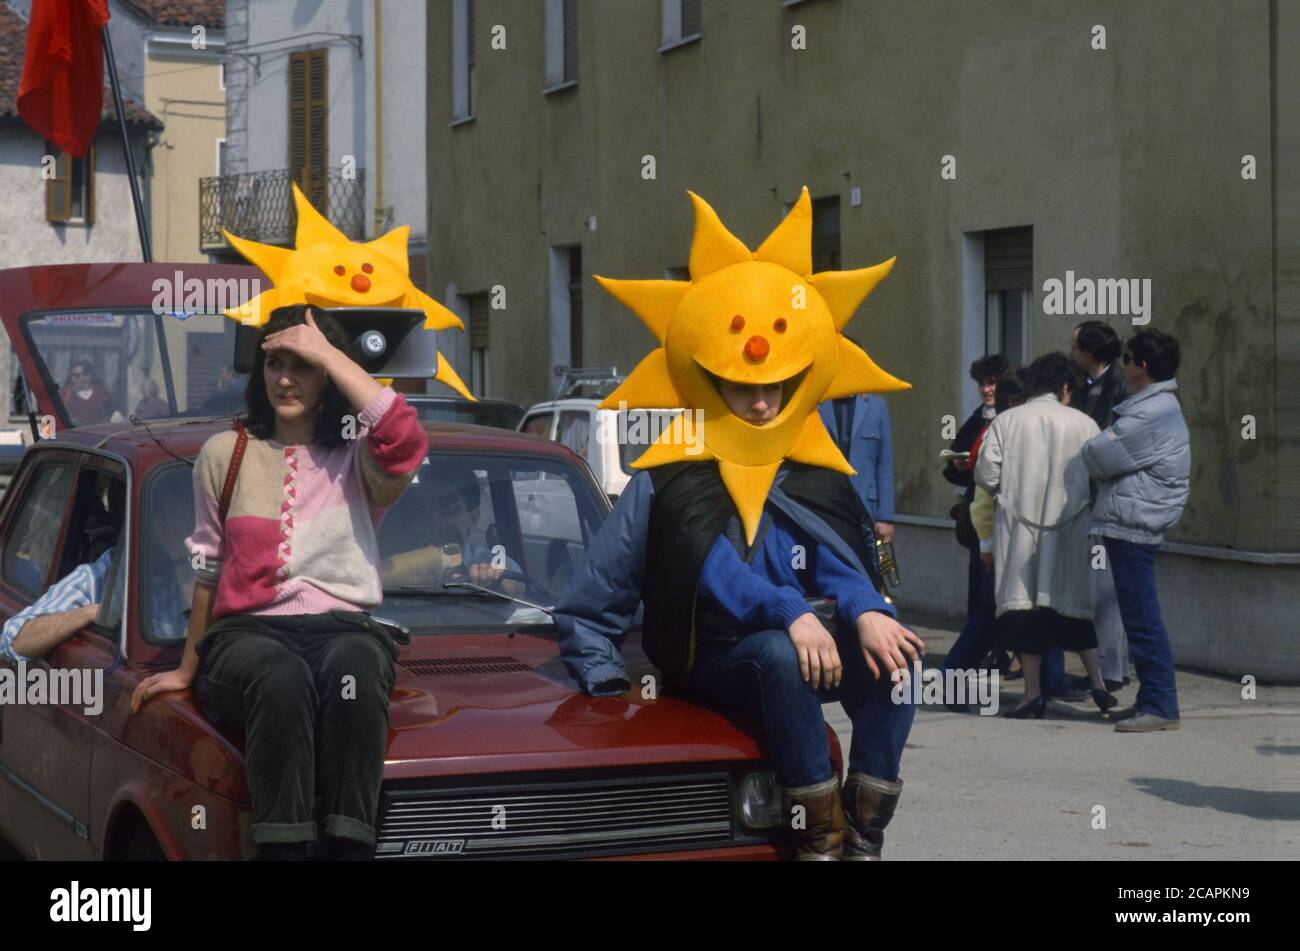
(1143, 462)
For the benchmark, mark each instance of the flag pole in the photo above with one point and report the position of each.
(140, 224)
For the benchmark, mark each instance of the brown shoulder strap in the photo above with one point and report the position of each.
(232, 472)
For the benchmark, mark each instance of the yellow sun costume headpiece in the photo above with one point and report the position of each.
(750, 317)
(326, 269)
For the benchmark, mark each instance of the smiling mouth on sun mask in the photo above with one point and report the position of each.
(789, 391)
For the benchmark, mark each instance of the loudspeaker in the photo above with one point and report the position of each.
(391, 342)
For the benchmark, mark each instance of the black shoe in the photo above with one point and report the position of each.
(1113, 685)
(1034, 708)
(1103, 699)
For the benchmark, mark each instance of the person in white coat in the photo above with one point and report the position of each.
(1030, 461)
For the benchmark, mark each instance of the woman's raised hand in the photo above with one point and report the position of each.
(305, 340)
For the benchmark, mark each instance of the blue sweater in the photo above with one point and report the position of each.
(594, 613)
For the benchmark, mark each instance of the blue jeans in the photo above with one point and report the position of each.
(758, 679)
(1133, 567)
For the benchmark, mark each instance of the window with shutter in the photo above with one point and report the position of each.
(690, 17)
(479, 340)
(1008, 283)
(70, 194)
(570, 41)
(826, 234)
(309, 125)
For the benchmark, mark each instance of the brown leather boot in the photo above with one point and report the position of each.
(868, 806)
(821, 838)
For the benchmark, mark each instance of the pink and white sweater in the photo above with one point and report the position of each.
(299, 537)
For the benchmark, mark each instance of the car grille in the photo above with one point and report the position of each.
(555, 820)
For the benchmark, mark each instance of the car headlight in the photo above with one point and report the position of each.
(760, 801)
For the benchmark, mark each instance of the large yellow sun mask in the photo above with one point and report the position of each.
(326, 269)
(750, 317)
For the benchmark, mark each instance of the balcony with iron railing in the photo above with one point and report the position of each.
(259, 206)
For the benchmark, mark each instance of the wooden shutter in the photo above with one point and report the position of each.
(58, 190)
(1009, 259)
(570, 40)
(309, 125)
(690, 17)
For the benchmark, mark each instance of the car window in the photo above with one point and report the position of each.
(529, 518)
(105, 366)
(167, 576)
(29, 549)
(539, 425)
(96, 526)
(575, 430)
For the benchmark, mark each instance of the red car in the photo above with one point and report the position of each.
(493, 752)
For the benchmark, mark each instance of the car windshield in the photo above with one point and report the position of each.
(105, 366)
(498, 415)
(516, 526)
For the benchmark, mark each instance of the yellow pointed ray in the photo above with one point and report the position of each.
(436, 317)
(844, 291)
(790, 245)
(393, 246)
(646, 387)
(255, 311)
(713, 247)
(669, 448)
(269, 258)
(313, 227)
(449, 376)
(855, 372)
(816, 448)
(748, 487)
(652, 301)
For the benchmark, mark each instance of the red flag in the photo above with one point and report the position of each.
(61, 94)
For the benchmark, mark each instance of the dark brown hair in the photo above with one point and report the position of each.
(259, 417)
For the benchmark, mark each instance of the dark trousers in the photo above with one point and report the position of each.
(311, 694)
(1133, 566)
(757, 679)
(977, 637)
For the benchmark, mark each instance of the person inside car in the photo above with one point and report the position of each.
(450, 495)
(280, 640)
(68, 605)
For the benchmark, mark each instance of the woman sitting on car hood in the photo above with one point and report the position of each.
(280, 643)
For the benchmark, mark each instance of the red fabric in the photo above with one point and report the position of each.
(61, 93)
(975, 446)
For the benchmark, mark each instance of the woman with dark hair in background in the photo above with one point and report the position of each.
(1030, 460)
(976, 639)
(986, 371)
(279, 642)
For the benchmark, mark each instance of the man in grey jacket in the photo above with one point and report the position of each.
(1143, 462)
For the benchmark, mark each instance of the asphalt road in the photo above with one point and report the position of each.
(983, 787)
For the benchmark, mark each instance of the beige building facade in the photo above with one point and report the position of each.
(995, 148)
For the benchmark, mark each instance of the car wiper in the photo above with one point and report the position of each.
(462, 588)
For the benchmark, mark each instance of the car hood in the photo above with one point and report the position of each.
(504, 704)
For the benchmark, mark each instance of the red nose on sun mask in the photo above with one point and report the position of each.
(360, 283)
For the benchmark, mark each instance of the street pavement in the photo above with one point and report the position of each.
(1224, 786)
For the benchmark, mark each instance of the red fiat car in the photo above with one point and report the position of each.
(493, 752)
